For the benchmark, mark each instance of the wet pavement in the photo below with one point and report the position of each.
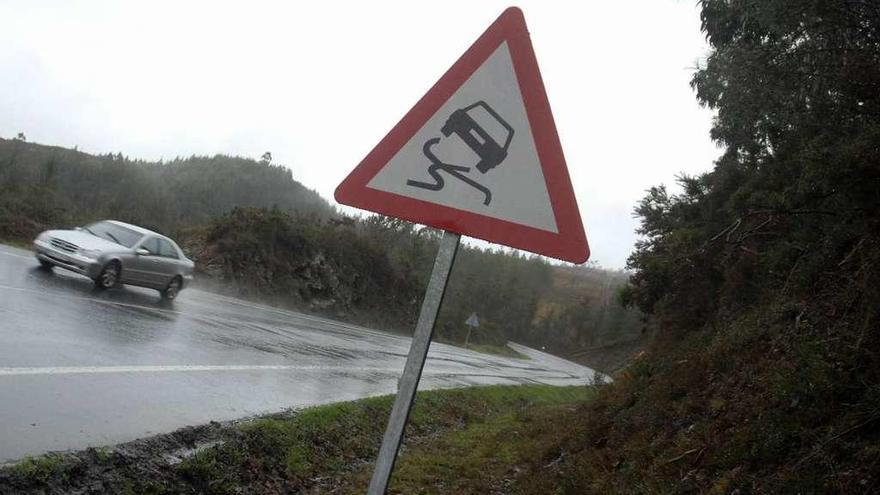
(81, 368)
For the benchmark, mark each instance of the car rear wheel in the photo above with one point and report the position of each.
(170, 292)
(109, 276)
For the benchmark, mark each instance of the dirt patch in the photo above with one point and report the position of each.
(146, 465)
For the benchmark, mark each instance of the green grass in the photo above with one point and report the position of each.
(103, 455)
(498, 350)
(470, 460)
(494, 349)
(482, 454)
(338, 442)
(39, 468)
(19, 243)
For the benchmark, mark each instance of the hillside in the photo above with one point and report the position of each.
(45, 186)
(762, 276)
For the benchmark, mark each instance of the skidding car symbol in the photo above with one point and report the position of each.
(463, 124)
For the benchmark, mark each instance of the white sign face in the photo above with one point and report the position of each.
(476, 153)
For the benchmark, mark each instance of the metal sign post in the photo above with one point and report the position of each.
(414, 363)
(472, 322)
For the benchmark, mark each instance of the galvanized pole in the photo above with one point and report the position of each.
(412, 371)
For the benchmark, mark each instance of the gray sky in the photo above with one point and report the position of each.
(320, 83)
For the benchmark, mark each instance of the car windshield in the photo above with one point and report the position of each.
(115, 233)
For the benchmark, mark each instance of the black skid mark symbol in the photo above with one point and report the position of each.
(456, 171)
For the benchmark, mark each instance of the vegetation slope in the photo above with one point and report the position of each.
(762, 275)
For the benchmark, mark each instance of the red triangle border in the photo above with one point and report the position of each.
(570, 243)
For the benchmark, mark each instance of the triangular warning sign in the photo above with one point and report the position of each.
(479, 154)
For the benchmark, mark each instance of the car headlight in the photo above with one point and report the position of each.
(43, 237)
(90, 253)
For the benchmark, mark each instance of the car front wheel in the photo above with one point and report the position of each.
(170, 292)
(109, 276)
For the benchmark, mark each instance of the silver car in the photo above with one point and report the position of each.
(111, 252)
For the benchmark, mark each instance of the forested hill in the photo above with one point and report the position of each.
(50, 186)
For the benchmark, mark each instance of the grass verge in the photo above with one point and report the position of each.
(18, 243)
(456, 440)
(498, 350)
(485, 455)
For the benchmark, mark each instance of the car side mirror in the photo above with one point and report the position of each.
(142, 252)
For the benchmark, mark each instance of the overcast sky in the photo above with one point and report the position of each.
(320, 83)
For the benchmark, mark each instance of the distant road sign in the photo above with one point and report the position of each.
(472, 321)
(479, 154)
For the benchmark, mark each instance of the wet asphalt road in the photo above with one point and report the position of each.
(83, 368)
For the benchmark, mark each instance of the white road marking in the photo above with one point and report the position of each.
(87, 370)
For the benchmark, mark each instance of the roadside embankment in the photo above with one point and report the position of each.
(458, 441)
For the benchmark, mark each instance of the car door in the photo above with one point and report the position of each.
(167, 268)
(142, 268)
